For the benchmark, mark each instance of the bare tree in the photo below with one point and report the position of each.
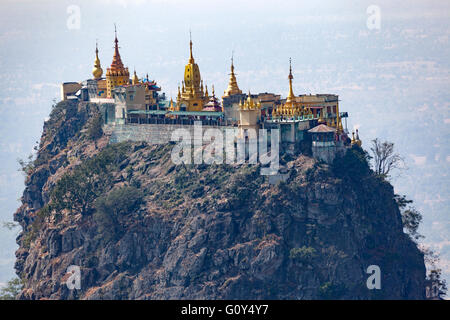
(436, 287)
(385, 158)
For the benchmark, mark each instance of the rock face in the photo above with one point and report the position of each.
(207, 231)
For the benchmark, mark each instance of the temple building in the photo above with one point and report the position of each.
(249, 116)
(116, 74)
(192, 96)
(136, 101)
(213, 103)
(324, 107)
(233, 96)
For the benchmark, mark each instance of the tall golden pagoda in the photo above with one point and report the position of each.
(291, 107)
(232, 84)
(116, 74)
(192, 97)
(97, 72)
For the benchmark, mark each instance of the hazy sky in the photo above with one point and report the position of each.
(393, 80)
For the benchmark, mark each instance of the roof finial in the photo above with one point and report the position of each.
(191, 58)
(290, 67)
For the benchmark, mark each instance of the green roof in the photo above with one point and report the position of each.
(157, 112)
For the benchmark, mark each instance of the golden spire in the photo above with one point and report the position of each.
(116, 64)
(135, 79)
(213, 94)
(233, 87)
(291, 96)
(97, 71)
(206, 90)
(353, 137)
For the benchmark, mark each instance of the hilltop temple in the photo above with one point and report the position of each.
(314, 119)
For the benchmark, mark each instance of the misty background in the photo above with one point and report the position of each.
(393, 80)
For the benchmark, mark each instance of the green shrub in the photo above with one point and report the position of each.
(94, 130)
(112, 206)
(303, 254)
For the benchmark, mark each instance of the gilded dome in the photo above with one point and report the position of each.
(97, 72)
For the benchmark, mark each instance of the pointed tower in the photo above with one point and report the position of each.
(97, 72)
(135, 79)
(192, 96)
(291, 107)
(291, 97)
(233, 87)
(116, 74)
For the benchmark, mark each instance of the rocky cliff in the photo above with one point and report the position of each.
(140, 227)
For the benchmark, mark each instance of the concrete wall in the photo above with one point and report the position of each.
(150, 133)
(327, 154)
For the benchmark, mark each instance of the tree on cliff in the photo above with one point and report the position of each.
(95, 130)
(77, 190)
(436, 286)
(111, 206)
(385, 159)
(11, 290)
(411, 217)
